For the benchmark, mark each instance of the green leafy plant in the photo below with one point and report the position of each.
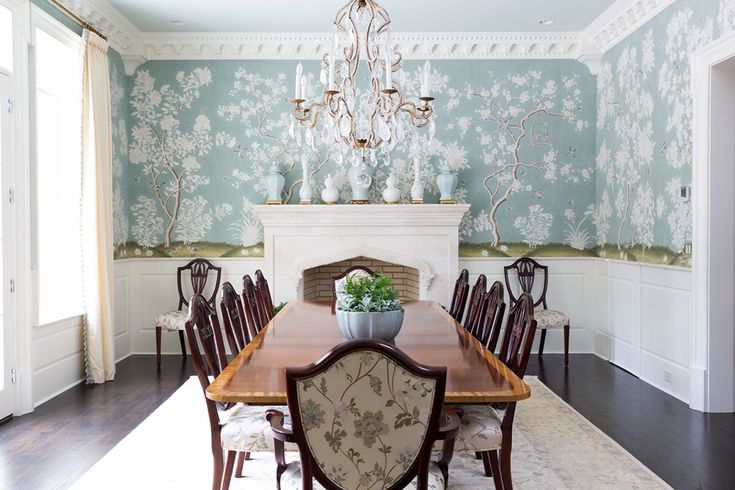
(368, 294)
(279, 307)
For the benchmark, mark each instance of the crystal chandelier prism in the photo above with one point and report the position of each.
(364, 118)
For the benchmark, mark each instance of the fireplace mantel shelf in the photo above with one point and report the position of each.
(388, 215)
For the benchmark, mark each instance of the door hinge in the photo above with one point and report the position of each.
(10, 106)
(12, 376)
(11, 196)
(12, 286)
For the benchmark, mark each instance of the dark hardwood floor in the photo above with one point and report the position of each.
(63, 438)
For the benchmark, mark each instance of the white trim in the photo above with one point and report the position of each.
(620, 20)
(587, 46)
(703, 336)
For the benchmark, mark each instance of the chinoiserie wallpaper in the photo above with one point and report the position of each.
(555, 161)
(644, 133)
(202, 134)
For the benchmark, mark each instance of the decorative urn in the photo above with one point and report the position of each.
(391, 194)
(330, 194)
(274, 183)
(360, 180)
(447, 182)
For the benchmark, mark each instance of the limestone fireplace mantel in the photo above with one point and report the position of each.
(425, 237)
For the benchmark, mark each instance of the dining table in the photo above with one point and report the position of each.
(304, 331)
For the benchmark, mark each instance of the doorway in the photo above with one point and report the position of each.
(713, 333)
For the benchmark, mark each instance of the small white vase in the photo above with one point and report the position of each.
(391, 194)
(305, 191)
(274, 183)
(330, 194)
(360, 180)
(447, 182)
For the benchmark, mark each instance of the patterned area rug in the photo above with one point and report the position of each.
(554, 447)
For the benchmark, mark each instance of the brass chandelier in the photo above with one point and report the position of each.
(362, 120)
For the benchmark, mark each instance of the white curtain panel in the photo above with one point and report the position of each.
(97, 239)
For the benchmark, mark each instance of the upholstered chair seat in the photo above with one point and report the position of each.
(550, 319)
(246, 429)
(172, 320)
(291, 479)
(479, 430)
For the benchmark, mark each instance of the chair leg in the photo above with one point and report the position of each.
(566, 345)
(505, 461)
(495, 465)
(541, 343)
(227, 477)
(158, 347)
(279, 450)
(486, 463)
(217, 469)
(182, 341)
(240, 463)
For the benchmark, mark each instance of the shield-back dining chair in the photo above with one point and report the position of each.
(236, 429)
(199, 272)
(459, 296)
(387, 418)
(526, 269)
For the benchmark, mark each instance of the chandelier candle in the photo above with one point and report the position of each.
(362, 119)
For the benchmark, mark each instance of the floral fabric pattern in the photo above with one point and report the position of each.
(365, 419)
(550, 319)
(172, 320)
(246, 429)
(479, 429)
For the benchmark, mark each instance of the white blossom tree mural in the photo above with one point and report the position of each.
(169, 148)
(629, 111)
(514, 116)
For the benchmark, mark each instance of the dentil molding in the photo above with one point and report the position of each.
(137, 47)
(620, 20)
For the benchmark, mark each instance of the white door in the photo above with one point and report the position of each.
(7, 376)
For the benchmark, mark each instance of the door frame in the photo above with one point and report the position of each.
(711, 336)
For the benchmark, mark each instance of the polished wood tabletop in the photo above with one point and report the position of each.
(304, 331)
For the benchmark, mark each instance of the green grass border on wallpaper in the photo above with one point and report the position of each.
(656, 255)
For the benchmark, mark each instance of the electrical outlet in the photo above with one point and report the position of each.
(668, 377)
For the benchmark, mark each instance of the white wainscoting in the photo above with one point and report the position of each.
(571, 290)
(644, 322)
(635, 315)
(151, 290)
(58, 358)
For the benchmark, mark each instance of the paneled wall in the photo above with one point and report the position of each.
(644, 322)
(636, 315)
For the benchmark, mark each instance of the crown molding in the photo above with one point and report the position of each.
(620, 20)
(166, 46)
(122, 35)
(136, 47)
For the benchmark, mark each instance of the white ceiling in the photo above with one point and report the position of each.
(318, 15)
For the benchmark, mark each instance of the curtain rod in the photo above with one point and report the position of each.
(71, 15)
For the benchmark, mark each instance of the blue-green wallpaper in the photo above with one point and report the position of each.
(644, 133)
(553, 160)
(521, 135)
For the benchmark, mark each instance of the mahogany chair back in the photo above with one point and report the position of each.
(198, 271)
(488, 328)
(526, 269)
(474, 311)
(207, 348)
(459, 297)
(265, 302)
(233, 318)
(355, 269)
(520, 329)
(250, 305)
(306, 391)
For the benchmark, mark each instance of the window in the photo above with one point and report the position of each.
(6, 39)
(58, 171)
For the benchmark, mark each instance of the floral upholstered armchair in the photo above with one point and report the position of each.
(366, 416)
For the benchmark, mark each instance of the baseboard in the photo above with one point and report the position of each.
(57, 393)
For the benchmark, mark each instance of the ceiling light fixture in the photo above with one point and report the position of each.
(546, 22)
(177, 22)
(362, 119)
